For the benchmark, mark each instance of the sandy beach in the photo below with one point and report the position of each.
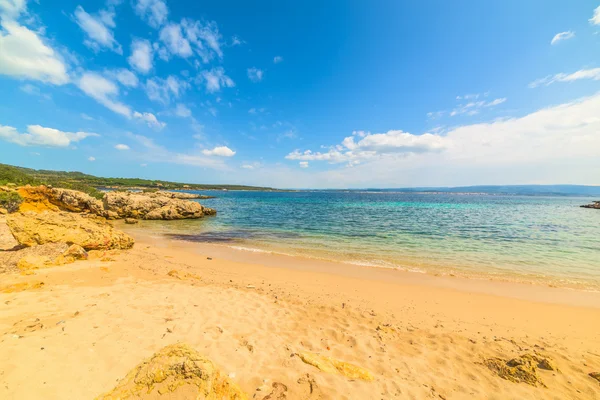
(420, 336)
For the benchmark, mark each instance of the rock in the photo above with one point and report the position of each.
(3, 211)
(30, 257)
(43, 198)
(7, 241)
(89, 232)
(176, 371)
(182, 195)
(74, 253)
(333, 366)
(521, 369)
(594, 204)
(152, 206)
(131, 221)
(595, 375)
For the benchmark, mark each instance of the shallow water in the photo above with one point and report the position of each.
(526, 238)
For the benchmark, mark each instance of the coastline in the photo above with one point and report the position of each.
(421, 336)
(242, 250)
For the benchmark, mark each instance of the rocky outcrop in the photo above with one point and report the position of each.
(152, 206)
(521, 369)
(594, 204)
(333, 366)
(90, 232)
(177, 371)
(182, 195)
(115, 205)
(42, 198)
(11, 260)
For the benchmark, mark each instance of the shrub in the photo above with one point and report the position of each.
(10, 201)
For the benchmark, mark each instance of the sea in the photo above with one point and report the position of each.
(546, 240)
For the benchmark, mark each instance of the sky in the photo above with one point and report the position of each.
(311, 94)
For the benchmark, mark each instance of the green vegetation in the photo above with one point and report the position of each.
(10, 201)
(90, 184)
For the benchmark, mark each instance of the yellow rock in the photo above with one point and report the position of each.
(521, 369)
(74, 252)
(176, 372)
(333, 366)
(32, 262)
(20, 287)
(89, 232)
(3, 211)
(35, 198)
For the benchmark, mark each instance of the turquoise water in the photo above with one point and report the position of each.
(525, 238)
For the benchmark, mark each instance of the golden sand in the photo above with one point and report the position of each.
(284, 328)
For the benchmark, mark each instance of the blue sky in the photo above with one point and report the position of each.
(304, 94)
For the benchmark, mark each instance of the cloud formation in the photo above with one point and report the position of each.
(593, 74)
(98, 29)
(562, 36)
(154, 12)
(162, 90)
(121, 147)
(255, 74)
(221, 151)
(595, 20)
(41, 136)
(24, 55)
(141, 57)
(150, 120)
(215, 79)
(104, 91)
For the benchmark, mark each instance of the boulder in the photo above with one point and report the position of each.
(131, 221)
(176, 372)
(152, 206)
(89, 232)
(43, 198)
(594, 204)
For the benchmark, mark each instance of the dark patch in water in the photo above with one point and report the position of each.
(230, 236)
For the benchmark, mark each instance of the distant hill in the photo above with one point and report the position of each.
(90, 183)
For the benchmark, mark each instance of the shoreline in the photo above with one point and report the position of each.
(483, 283)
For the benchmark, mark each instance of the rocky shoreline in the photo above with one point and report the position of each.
(53, 226)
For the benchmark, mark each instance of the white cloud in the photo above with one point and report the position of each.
(370, 146)
(103, 91)
(255, 74)
(252, 111)
(303, 164)
(474, 107)
(23, 55)
(236, 41)
(595, 20)
(150, 120)
(40, 136)
(11, 9)
(555, 144)
(215, 79)
(204, 37)
(221, 151)
(154, 12)
(162, 90)
(124, 76)
(141, 55)
(277, 59)
(182, 111)
(562, 36)
(91, 158)
(98, 29)
(593, 74)
(121, 147)
(174, 40)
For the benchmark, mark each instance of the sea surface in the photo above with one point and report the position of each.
(538, 239)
